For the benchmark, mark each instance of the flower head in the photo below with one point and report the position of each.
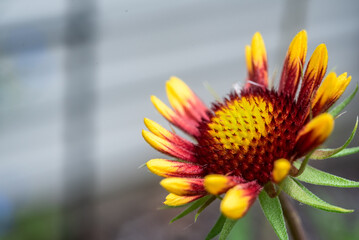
(250, 139)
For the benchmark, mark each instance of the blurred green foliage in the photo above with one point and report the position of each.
(45, 224)
(331, 226)
(242, 229)
(35, 224)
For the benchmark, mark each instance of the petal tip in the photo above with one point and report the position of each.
(314, 133)
(259, 54)
(174, 200)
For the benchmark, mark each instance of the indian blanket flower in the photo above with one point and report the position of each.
(250, 141)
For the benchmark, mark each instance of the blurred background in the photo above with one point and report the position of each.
(75, 82)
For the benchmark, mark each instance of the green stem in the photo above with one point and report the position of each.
(304, 164)
(292, 218)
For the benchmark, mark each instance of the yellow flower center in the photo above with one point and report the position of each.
(241, 123)
(247, 133)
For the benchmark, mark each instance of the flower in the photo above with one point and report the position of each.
(253, 138)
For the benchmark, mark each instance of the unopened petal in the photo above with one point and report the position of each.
(281, 169)
(217, 184)
(314, 133)
(238, 200)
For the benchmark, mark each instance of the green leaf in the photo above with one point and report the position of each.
(227, 227)
(242, 229)
(273, 212)
(335, 111)
(326, 153)
(206, 204)
(346, 152)
(171, 207)
(196, 204)
(300, 193)
(315, 176)
(217, 228)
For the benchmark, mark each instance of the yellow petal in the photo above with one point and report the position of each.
(259, 54)
(161, 132)
(313, 76)
(175, 200)
(330, 91)
(281, 169)
(179, 88)
(156, 142)
(184, 101)
(170, 168)
(161, 167)
(167, 147)
(183, 186)
(293, 64)
(248, 52)
(317, 65)
(325, 89)
(162, 108)
(157, 129)
(179, 94)
(258, 75)
(187, 125)
(297, 50)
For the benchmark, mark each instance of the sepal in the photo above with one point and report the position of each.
(272, 209)
(327, 153)
(227, 227)
(204, 206)
(192, 207)
(300, 193)
(346, 152)
(317, 177)
(217, 228)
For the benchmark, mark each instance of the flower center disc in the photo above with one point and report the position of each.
(247, 134)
